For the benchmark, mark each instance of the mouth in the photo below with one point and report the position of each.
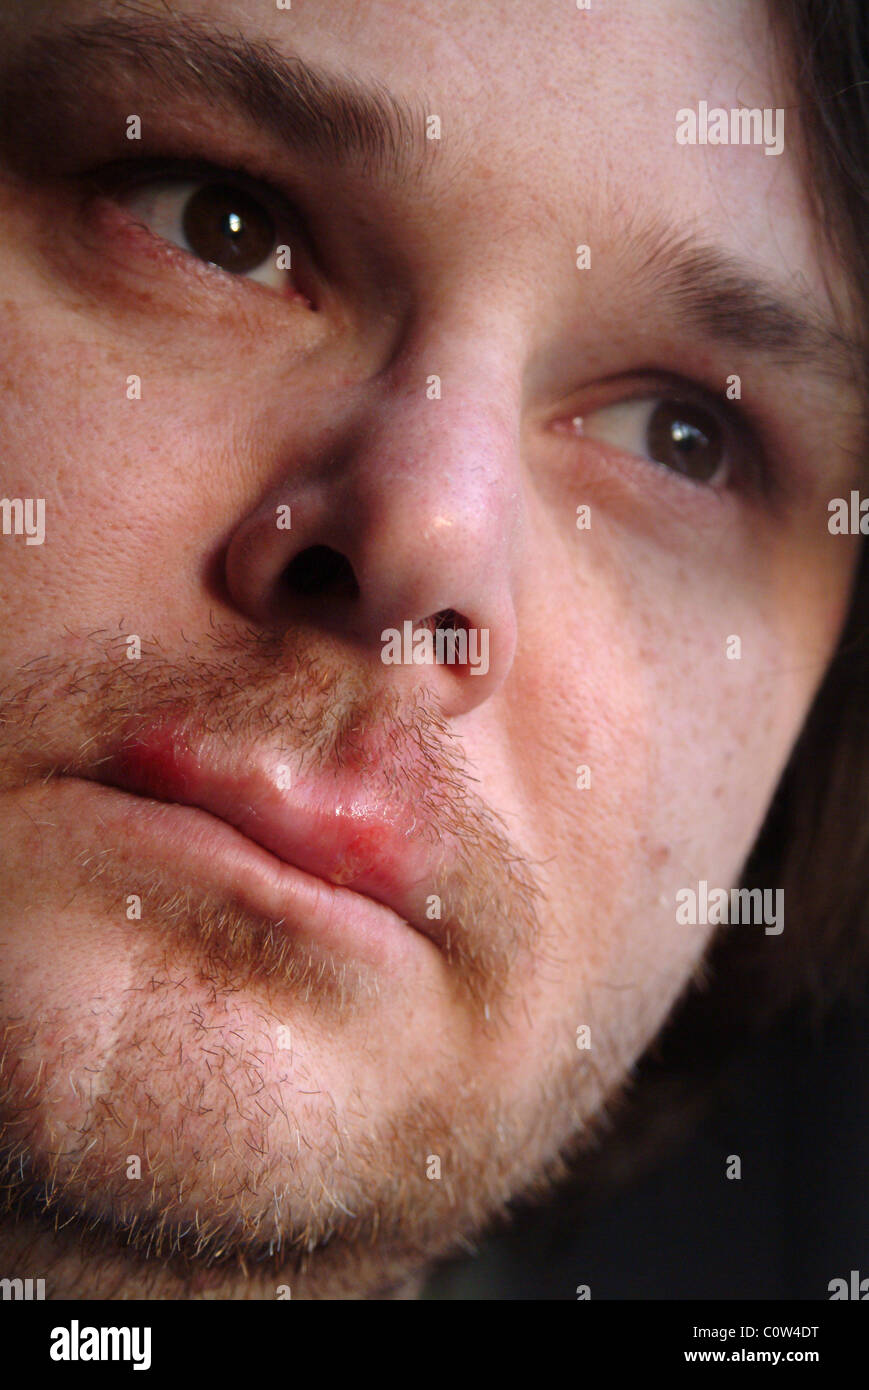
(335, 828)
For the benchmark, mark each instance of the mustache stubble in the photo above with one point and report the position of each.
(68, 716)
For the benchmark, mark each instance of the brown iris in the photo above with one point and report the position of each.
(686, 438)
(227, 227)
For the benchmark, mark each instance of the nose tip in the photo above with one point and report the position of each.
(401, 544)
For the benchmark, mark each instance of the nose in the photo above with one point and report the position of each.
(399, 540)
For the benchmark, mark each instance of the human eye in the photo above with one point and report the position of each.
(687, 436)
(219, 217)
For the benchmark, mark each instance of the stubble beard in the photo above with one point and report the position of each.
(242, 1194)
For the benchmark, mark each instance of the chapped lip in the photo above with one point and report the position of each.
(333, 827)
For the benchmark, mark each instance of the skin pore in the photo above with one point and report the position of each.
(286, 1090)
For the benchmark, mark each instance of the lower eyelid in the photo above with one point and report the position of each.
(157, 202)
(132, 241)
(125, 237)
(139, 215)
(645, 404)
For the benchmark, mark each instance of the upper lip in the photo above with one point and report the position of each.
(333, 826)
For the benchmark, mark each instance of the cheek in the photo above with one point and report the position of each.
(62, 423)
(665, 672)
(652, 719)
(114, 471)
(749, 657)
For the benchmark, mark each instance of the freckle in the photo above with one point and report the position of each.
(660, 856)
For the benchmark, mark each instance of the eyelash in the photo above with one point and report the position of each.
(128, 173)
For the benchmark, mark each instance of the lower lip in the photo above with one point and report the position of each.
(218, 859)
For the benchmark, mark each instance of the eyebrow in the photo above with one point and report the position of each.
(336, 117)
(725, 299)
(330, 114)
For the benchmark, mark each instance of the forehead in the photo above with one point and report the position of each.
(568, 116)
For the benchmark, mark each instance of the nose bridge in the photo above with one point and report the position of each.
(407, 513)
(455, 451)
(436, 483)
(450, 403)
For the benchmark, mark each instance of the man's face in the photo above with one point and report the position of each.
(431, 403)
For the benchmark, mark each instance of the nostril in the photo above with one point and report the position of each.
(446, 619)
(321, 570)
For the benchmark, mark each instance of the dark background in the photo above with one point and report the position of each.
(796, 1110)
